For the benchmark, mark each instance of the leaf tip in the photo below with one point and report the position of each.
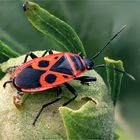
(27, 6)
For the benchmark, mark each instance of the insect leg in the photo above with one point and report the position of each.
(73, 91)
(7, 82)
(32, 55)
(47, 51)
(85, 79)
(59, 96)
(80, 54)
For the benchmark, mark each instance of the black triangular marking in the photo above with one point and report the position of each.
(62, 66)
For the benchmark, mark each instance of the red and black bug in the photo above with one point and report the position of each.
(53, 70)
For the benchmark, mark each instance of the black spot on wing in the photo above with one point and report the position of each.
(50, 78)
(29, 78)
(55, 57)
(62, 66)
(43, 63)
(77, 63)
(65, 76)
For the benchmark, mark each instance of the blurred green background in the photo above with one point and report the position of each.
(95, 21)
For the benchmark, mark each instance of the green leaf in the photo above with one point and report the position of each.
(5, 54)
(89, 122)
(21, 36)
(114, 78)
(53, 27)
(83, 119)
(6, 51)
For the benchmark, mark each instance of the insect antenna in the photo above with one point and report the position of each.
(124, 72)
(98, 53)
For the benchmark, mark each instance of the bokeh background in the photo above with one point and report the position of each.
(95, 21)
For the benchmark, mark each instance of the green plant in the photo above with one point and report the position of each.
(85, 119)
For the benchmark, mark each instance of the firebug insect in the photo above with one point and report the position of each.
(51, 71)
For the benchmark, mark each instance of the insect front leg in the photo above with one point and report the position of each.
(86, 79)
(32, 55)
(47, 51)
